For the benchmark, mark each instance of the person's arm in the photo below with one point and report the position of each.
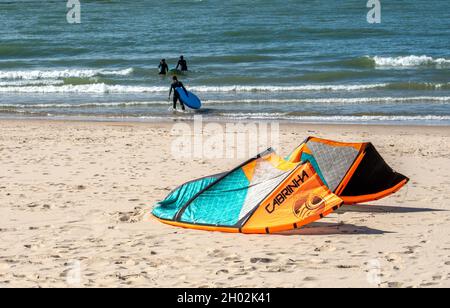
(178, 64)
(185, 91)
(170, 93)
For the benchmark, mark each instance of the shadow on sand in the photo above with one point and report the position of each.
(324, 228)
(366, 208)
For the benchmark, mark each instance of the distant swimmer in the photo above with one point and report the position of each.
(176, 96)
(182, 64)
(163, 67)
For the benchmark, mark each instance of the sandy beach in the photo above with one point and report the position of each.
(75, 199)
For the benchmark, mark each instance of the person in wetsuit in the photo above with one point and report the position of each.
(176, 97)
(163, 67)
(182, 64)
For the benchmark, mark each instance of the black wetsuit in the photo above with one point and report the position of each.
(183, 65)
(163, 68)
(176, 96)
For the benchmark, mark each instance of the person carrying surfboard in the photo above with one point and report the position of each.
(163, 67)
(176, 96)
(182, 64)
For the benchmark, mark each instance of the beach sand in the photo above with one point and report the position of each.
(77, 195)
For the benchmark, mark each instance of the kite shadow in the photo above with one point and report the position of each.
(366, 208)
(323, 228)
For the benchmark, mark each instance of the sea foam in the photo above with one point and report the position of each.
(410, 61)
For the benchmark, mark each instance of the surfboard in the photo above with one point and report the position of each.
(190, 100)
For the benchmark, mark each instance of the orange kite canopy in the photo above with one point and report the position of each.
(269, 194)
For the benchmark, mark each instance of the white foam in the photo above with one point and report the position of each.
(101, 88)
(288, 88)
(394, 119)
(341, 118)
(22, 83)
(356, 100)
(57, 74)
(84, 105)
(410, 61)
(353, 100)
(98, 88)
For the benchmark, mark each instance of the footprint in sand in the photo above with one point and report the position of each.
(129, 217)
(328, 248)
(222, 271)
(309, 279)
(428, 284)
(216, 253)
(233, 258)
(261, 260)
(393, 258)
(410, 250)
(394, 284)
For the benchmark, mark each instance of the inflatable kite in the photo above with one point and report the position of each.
(355, 172)
(269, 194)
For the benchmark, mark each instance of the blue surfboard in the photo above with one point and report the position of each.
(190, 100)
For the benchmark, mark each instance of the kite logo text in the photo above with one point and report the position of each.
(286, 192)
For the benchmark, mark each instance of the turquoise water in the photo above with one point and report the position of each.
(258, 59)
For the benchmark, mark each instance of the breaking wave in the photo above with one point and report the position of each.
(102, 88)
(23, 83)
(57, 74)
(410, 61)
(356, 100)
(335, 119)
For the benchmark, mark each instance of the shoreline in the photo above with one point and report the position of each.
(208, 120)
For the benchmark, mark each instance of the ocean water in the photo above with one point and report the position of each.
(299, 61)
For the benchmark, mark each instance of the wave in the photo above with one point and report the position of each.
(83, 105)
(284, 117)
(368, 62)
(57, 74)
(418, 86)
(361, 62)
(102, 88)
(288, 88)
(356, 100)
(353, 100)
(99, 88)
(23, 83)
(410, 61)
(337, 118)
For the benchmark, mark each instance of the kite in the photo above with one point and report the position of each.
(356, 172)
(270, 194)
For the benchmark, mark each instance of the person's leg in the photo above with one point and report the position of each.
(175, 98)
(182, 105)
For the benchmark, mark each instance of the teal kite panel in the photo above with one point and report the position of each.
(221, 204)
(168, 208)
